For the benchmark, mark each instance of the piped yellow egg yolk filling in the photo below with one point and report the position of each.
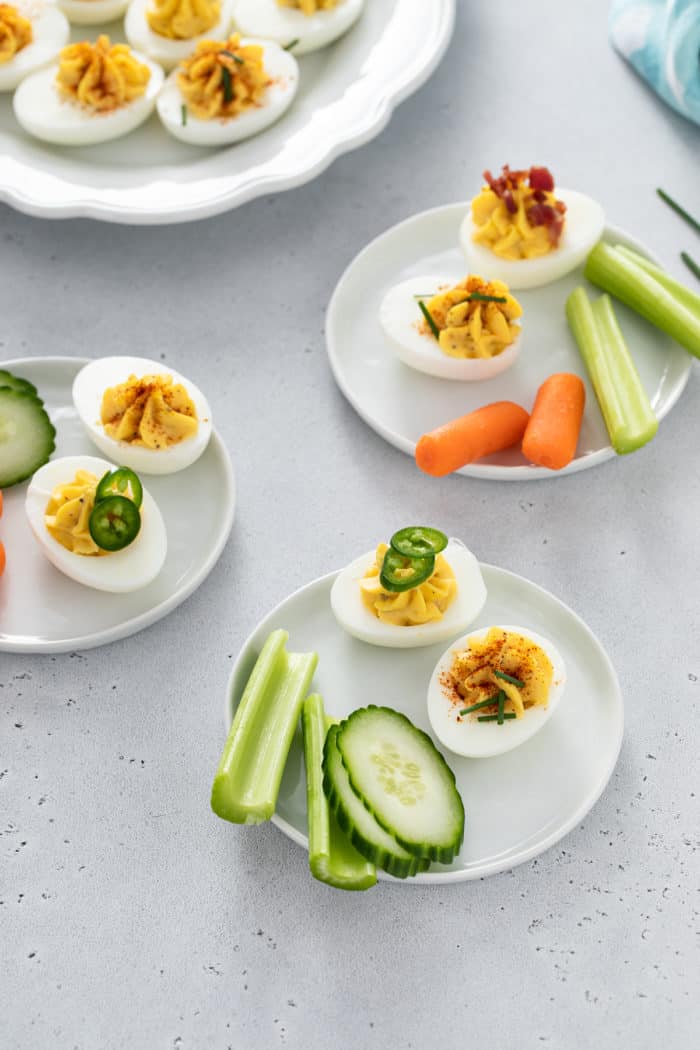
(151, 411)
(422, 604)
(100, 76)
(222, 79)
(470, 325)
(310, 7)
(475, 675)
(15, 32)
(183, 19)
(68, 511)
(517, 215)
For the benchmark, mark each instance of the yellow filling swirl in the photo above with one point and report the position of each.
(474, 679)
(68, 511)
(15, 32)
(152, 411)
(422, 604)
(183, 19)
(222, 79)
(100, 76)
(471, 328)
(310, 7)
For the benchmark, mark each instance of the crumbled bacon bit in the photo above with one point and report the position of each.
(546, 215)
(542, 179)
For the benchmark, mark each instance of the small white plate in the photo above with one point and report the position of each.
(41, 610)
(401, 404)
(518, 804)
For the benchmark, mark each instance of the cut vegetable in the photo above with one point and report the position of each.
(628, 282)
(356, 821)
(247, 781)
(404, 781)
(552, 432)
(23, 386)
(623, 401)
(461, 441)
(27, 436)
(686, 297)
(332, 857)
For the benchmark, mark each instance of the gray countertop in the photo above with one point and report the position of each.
(130, 915)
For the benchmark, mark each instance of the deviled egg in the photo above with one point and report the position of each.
(465, 331)
(300, 25)
(92, 12)
(400, 600)
(92, 93)
(524, 231)
(31, 33)
(494, 689)
(114, 541)
(169, 30)
(227, 91)
(144, 416)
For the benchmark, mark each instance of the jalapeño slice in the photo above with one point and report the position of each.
(418, 541)
(114, 523)
(120, 482)
(400, 573)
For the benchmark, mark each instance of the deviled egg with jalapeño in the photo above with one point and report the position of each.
(300, 25)
(31, 33)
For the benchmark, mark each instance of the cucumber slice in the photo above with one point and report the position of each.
(401, 777)
(27, 436)
(16, 383)
(366, 835)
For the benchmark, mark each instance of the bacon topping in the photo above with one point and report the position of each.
(537, 210)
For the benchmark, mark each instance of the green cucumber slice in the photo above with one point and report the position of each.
(17, 383)
(27, 436)
(401, 777)
(368, 837)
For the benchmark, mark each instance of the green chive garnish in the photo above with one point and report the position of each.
(477, 707)
(293, 43)
(501, 707)
(427, 315)
(691, 264)
(679, 211)
(183, 114)
(509, 678)
(495, 718)
(479, 297)
(228, 84)
(236, 58)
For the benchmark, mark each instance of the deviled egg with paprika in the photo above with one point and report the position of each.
(169, 30)
(300, 25)
(31, 33)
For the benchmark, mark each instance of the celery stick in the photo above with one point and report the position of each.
(684, 295)
(628, 282)
(247, 781)
(332, 857)
(623, 402)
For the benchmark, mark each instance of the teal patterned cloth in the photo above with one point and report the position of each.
(661, 38)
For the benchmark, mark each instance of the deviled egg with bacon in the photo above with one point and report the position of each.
(92, 93)
(169, 30)
(31, 33)
(300, 25)
(228, 90)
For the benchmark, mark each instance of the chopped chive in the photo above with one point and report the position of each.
(509, 678)
(228, 84)
(426, 295)
(428, 316)
(479, 297)
(476, 707)
(236, 58)
(691, 264)
(183, 114)
(495, 718)
(291, 44)
(679, 211)
(501, 707)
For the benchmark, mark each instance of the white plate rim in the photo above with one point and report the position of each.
(366, 126)
(495, 867)
(151, 616)
(486, 471)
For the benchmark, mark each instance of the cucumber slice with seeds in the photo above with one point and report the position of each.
(27, 436)
(401, 777)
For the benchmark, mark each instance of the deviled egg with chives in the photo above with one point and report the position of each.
(300, 25)
(169, 30)
(31, 33)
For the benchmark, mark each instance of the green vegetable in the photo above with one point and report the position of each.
(114, 523)
(617, 274)
(120, 482)
(678, 210)
(419, 541)
(16, 383)
(27, 436)
(403, 780)
(236, 58)
(227, 83)
(479, 297)
(501, 697)
(496, 718)
(691, 264)
(429, 318)
(291, 44)
(247, 781)
(509, 678)
(394, 567)
(477, 707)
(623, 401)
(685, 297)
(332, 857)
(183, 115)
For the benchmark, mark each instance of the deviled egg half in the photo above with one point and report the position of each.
(465, 331)
(92, 93)
(169, 30)
(524, 231)
(394, 598)
(494, 689)
(96, 523)
(227, 91)
(144, 416)
(300, 25)
(92, 12)
(31, 33)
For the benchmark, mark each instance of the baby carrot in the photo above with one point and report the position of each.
(2, 559)
(461, 441)
(552, 434)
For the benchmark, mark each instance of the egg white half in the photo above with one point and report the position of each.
(485, 739)
(119, 572)
(585, 222)
(161, 48)
(88, 388)
(92, 12)
(402, 323)
(50, 31)
(45, 114)
(282, 69)
(284, 25)
(354, 617)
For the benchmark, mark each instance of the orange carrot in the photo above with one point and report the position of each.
(461, 441)
(552, 433)
(2, 559)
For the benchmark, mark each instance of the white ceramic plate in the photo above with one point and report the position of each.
(517, 804)
(41, 610)
(401, 404)
(346, 96)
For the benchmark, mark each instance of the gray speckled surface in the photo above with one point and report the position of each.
(130, 916)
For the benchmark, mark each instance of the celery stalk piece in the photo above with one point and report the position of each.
(684, 295)
(247, 781)
(332, 857)
(627, 281)
(623, 401)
